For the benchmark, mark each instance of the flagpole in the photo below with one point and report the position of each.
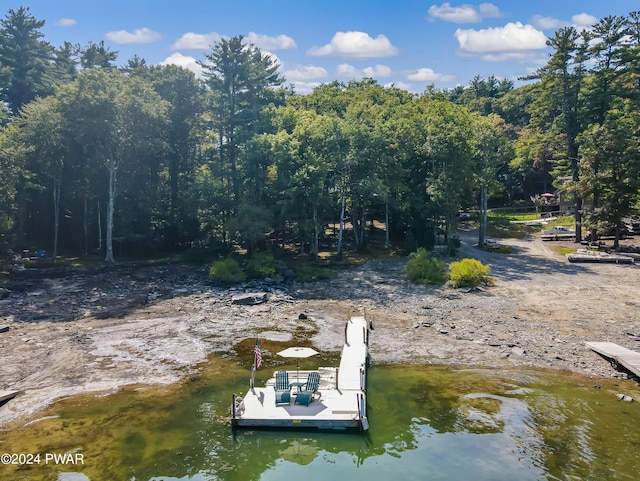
(253, 369)
(255, 365)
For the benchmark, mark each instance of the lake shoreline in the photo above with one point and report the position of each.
(98, 331)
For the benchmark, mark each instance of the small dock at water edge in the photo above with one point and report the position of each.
(341, 404)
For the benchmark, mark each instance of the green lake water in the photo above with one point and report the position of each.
(426, 423)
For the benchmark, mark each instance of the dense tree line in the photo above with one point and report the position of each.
(99, 159)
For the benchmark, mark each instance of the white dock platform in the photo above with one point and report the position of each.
(342, 403)
(584, 255)
(625, 357)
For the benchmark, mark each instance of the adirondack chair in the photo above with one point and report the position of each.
(309, 389)
(282, 388)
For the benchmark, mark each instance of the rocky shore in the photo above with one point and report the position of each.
(67, 332)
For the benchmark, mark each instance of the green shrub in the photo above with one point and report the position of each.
(227, 271)
(469, 273)
(421, 268)
(262, 265)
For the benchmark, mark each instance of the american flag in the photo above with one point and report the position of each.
(258, 354)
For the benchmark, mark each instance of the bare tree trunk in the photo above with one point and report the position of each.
(21, 212)
(56, 214)
(111, 165)
(99, 228)
(482, 233)
(386, 224)
(363, 227)
(359, 226)
(343, 201)
(354, 224)
(316, 243)
(85, 227)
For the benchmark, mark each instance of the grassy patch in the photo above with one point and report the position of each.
(502, 226)
(513, 216)
(563, 250)
(565, 220)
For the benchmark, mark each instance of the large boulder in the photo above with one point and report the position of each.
(249, 298)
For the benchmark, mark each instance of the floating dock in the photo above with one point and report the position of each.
(342, 401)
(6, 395)
(627, 358)
(584, 255)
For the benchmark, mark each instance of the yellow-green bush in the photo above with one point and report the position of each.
(421, 268)
(469, 273)
(227, 271)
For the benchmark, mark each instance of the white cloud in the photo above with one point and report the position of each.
(265, 42)
(518, 57)
(307, 72)
(463, 13)
(344, 70)
(349, 71)
(304, 88)
(196, 41)
(204, 41)
(399, 85)
(355, 45)
(579, 21)
(65, 22)
(429, 75)
(584, 20)
(141, 35)
(489, 10)
(511, 37)
(379, 71)
(547, 23)
(186, 61)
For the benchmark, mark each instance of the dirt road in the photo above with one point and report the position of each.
(80, 331)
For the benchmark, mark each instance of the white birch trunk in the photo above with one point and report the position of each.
(343, 201)
(482, 232)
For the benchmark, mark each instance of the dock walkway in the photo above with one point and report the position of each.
(342, 403)
(625, 357)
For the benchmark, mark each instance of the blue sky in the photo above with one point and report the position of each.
(408, 43)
